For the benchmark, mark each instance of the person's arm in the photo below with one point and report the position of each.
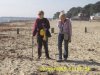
(59, 24)
(34, 31)
(70, 30)
(47, 24)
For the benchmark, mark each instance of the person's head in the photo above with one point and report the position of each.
(41, 14)
(62, 16)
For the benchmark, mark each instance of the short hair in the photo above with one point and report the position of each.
(62, 14)
(41, 12)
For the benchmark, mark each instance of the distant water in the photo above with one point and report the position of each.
(9, 19)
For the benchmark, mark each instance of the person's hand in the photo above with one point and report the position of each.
(69, 40)
(32, 37)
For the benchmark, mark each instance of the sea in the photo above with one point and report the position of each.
(10, 19)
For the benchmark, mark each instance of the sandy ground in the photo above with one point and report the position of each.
(16, 50)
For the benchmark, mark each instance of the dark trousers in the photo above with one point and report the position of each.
(60, 40)
(40, 41)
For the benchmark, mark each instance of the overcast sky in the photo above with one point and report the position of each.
(29, 8)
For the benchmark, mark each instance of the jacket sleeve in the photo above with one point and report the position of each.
(70, 29)
(48, 24)
(58, 24)
(34, 29)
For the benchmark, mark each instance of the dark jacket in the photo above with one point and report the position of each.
(40, 24)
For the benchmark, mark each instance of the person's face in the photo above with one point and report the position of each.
(41, 15)
(63, 18)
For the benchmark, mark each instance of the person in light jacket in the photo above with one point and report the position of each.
(65, 33)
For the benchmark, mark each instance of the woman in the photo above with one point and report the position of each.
(65, 32)
(41, 29)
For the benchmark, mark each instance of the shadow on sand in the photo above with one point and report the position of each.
(84, 62)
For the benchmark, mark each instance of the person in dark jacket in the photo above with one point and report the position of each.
(41, 30)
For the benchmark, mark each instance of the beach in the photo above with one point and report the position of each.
(16, 50)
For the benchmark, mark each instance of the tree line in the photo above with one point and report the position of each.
(86, 11)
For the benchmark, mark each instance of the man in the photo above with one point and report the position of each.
(41, 29)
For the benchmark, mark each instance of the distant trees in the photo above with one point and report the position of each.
(73, 11)
(56, 15)
(97, 7)
(87, 10)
